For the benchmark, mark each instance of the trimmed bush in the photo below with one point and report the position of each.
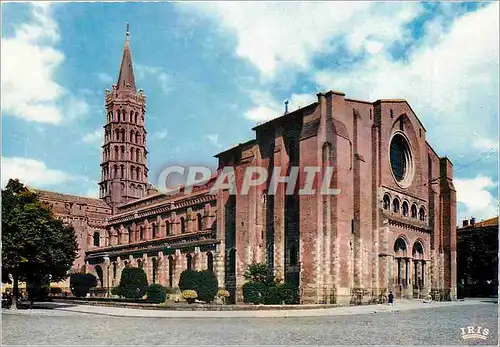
(156, 294)
(188, 279)
(203, 282)
(254, 293)
(189, 295)
(80, 284)
(206, 286)
(288, 294)
(133, 283)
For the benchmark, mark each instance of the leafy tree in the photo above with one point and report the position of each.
(203, 282)
(80, 284)
(36, 247)
(133, 283)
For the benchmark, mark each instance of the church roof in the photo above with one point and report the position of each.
(48, 195)
(126, 78)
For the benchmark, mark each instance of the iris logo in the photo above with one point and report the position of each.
(475, 333)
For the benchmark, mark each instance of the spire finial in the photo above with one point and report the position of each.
(286, 106)
(128, 30)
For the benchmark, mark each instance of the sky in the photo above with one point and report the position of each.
(212, 71)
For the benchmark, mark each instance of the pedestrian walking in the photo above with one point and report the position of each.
(390, 298)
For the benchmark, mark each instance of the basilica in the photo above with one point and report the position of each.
(390, 228)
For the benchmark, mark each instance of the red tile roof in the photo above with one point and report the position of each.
(45, 194)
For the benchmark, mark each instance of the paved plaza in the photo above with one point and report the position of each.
(407, 323)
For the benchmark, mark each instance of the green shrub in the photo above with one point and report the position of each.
(156, 294)
(80, 284)
(259, 273)
(116, 291)
(254, 293)
(188, 279)
(288, 294)
(203, 282)
(133, 283)
(206, 286)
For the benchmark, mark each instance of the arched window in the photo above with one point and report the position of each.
(167, 228)
(141, 233)
(395, 205)
(117, 135)
(131, 116)
(138, 155)
(131, 139)
(170, 271)
(413, 211)
(97, 239)
(210, 261)
(232, 262)
(100, 276)
(421, 214)
(137, 138)
(123, 134)
(200, 221)
(136, 115)
(125, 263)
(115, 171)
(114, 270)
(183, 225)
(116, 153)
(130, 235)
(405, 209)
(155, 231)
(155, 269)
(139, 263)
(132, 171)
(293, 256)
(132, 152)
(118, 115)
(189, 262)
(138, 174)
(122, 171)
(122, 153)
(387, 202)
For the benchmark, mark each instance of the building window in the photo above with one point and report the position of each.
(97, 239)
(155, 230)
(293, 256)
(387, 202)
(405, 209)
(413, 211)
(421, 214)
(183, 225)
(200, 221)
(395, 205)
(139, 263)
(167, 228)
(130, 235)
(210, 261)
(141, 233)
(189, 262)
(401, 159)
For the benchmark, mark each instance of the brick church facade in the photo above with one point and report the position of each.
(391, 227)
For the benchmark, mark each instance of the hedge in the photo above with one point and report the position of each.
(156, 294)
(80, 284)
(203, 282)
(133, 283)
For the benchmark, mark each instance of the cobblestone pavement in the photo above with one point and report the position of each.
(434, 325)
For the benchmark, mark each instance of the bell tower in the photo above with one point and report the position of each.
(124, 172)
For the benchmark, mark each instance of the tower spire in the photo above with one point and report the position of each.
(126, 78)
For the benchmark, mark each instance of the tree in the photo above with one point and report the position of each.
(133, 283)
(36, 247)
(80, 283)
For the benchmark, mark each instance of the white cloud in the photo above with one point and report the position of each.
(214, 139)
(475, 195)
(94, 138)
(162, 78)
(104, 77)
(450, 79)
(32, 172)
(92, 193)
(161, 134)
(29, 65)
(485, 144)
(275, 36)
(267, 107)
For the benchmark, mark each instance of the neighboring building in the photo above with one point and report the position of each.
(477, 257)
(391, 228)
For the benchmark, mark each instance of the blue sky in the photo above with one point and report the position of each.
(213, 70)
